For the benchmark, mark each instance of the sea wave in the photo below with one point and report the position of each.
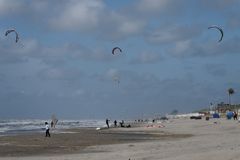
(15, 126)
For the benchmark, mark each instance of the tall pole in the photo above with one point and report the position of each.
(229, 99)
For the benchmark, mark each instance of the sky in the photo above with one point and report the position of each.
(63, 62)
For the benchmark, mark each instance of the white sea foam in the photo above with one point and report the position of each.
(30, 125)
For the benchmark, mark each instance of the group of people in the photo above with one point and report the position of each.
(121, 124)
(115, 122)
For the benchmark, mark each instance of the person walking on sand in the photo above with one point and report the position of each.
(47, 129)
(107, 122)
(235, 115)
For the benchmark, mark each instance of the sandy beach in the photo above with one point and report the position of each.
(180, 139)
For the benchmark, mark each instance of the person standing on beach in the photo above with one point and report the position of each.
(47, 129)
(235, 115)
(115, 123)
(107, 122)
(52, 124)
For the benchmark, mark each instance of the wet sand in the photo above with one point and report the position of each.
(77, 141)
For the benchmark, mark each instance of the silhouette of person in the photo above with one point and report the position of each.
(47, 129)
(107, 122)
(121, 123)
(52, 124)
(115, 123)
(235, 115)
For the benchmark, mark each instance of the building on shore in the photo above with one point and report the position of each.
(224, 107)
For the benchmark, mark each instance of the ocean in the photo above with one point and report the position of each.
(23, 126)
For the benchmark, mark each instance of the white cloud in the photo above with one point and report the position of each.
(92, 16)
(146, 58)
(152, 5)
(83, 16)
(10, 6)
(39, 6)
(110, 73)
(119, 25)
(206, 48)
(170, 34)
(78, 15)
(128, 26)
(182, 48)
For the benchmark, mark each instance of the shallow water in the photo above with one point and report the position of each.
(14, 126)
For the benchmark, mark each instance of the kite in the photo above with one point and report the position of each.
(218, 28)
(12, 30)
(116, 48)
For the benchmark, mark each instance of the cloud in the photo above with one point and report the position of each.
(112, 72)
(220, 4)
(179, 40)
(39, 6)
(204, 48)
(146, 58)
(119, 26)
(79, 15)
(60, 74)
(172, 33)
(234, 21)
(10, 7)
(152, 5)
(12, 52)
(87, 15)
(156, 7)
(218, 70)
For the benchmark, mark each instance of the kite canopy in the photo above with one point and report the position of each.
(220, 30)
(10, 31)
(116, 48)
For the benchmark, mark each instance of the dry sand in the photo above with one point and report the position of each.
(179, 140)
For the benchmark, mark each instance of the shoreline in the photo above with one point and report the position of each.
(78, 140)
